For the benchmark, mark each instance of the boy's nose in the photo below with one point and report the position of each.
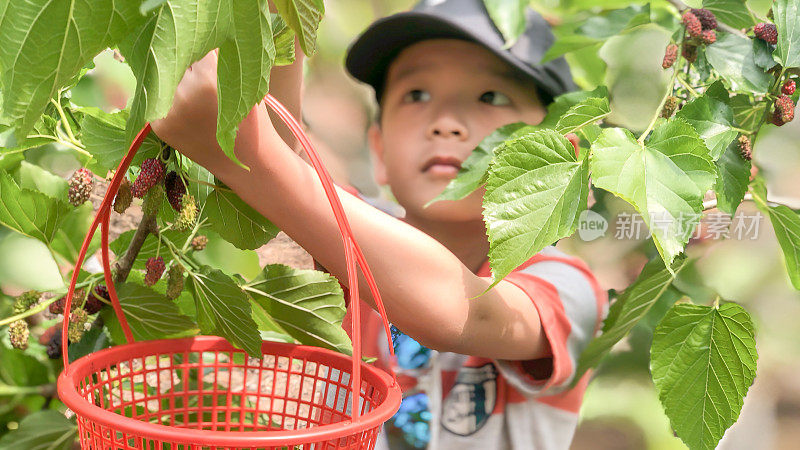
(447, 127)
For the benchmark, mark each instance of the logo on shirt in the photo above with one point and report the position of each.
(471, 401)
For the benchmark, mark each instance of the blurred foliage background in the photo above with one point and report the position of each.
(621, 409)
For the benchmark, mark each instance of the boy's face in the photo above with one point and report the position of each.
(441, 98)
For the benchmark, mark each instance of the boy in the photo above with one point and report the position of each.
(506, 359)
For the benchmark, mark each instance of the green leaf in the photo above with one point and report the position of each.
(614, 22)
(151, 315)
(569, 44)
(745, 113)
(472, 173)
(20, 368)
(245, 60)
(786, 224)
(104, 136)
(762, 55)
(223, 309)
(509, 18)
(664, 180)
(731, 12)
(29, 212)
(303, 16)
(42, 430)
(307, 304)
(564, 102)
(734, 175)
(628, 309)
(703, 361)
(283, 36)
(92, 341)
(159, 63)
(69, 236)
(787, 19)
(713, 120)
(535, 192)
(222, 255)
(45, 45)
(150, 247)
(584, 113)
(27, 263)
(237, 222)
(733, 57)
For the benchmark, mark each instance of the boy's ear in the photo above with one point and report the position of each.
(376, 148)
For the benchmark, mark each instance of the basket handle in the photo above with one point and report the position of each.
(352, 251)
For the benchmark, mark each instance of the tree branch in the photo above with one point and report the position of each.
(125, 263)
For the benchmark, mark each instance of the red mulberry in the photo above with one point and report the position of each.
(706, 17)
(689, 51)
(80, 186)
(670, 55)
(784, 110)
(151, 174)
(745, 147)
(692, 23)
(57, 307)
(124, 196)
(93, 302)
(788, 87)
(175, 189)
(155, 268)
(767, 32)
(709, 37)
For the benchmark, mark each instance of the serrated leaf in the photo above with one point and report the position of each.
(306, 304)
(36, 178)
(150, 315)
(713, 121)
(703, 362)
(747, 115)
(237, 222)
(42, 430)
(472, 173)
(303, 16)
(731, 12)
(159, 63)
(283, 36)
(584, 113)
(667, 178)
(564, 102)
(734, 175)
(535, 192)
(45, 45)
(223, 309)
(104, 136)
(509, 18)
(30, 212)
(733, 57)
(243, 68)
(787, 19)
(786, 224)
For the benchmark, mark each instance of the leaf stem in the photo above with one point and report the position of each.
(791, 203)
(670, 88)
(43, 389)
(688, 87)
(43, 305)
(67, 128)
(764, 116)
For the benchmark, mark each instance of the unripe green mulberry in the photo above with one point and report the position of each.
(174, 281)
(153, 199)
(77, 325)
(670, 106)
(188, 214)
(25, 301)
(18, 334)
(124, 196)
(199, 243)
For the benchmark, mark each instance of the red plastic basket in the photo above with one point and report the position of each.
(201, 392)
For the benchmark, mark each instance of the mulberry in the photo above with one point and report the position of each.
(124, 196)
(57, 307)
(151, 174)
(745, 147)
(784, 109)
(54, 343)
(77, 325)
(175, 189)
(174, 281)
(693, 25)
(188, 213)
(767, 32)
(670, 106)
(153, 199)
(18, 334)
(709, 37)
(689, 51)
(670, 55)
(93, 302)
(706, 17)
(80, 186)
(25, 301)
(155, 268)
(199, 243)
(788, 87)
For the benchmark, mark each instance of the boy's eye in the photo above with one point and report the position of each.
(495, 98)
(416, 95)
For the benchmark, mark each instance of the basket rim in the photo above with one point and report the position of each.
(68, 394)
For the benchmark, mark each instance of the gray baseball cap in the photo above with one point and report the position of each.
(369, 56)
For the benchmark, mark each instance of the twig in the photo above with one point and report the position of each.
(125, 263)
(793, 203)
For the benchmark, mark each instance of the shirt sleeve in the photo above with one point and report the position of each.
(571, 307)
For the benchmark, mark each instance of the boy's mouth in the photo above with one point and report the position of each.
(442, 165)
